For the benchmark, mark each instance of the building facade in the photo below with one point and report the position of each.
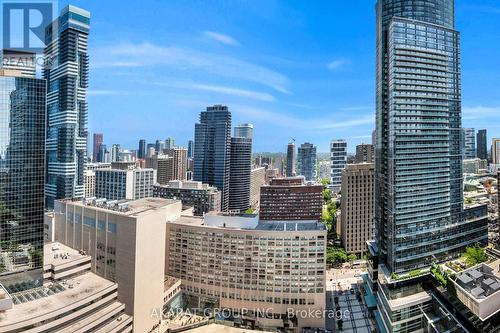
(307, 162)
(212, 150)
(98, 141)
(288, 199)
(179, 156)
(201, 197)
(257, 180)
(119, 184)
(364, 154)
(141, 152)
(357, 207)
(482, 146)
(338, 161)
(244, 131)
(274, 266)
(67, 81)
(22, 179)
(495, 151)
(469, 143)
(164, 165)
(290, 160)
(240, 169)
(127, 244)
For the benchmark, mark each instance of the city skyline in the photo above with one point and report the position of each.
(332, 71)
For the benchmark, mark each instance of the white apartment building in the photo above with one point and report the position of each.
(118, 184)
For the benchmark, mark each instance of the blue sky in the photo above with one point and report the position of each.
(295, 69)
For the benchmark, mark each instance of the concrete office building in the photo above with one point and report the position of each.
(22, 165)
(201, 197)
(364, 154)
(290, 160)
(67, 81)
(72, 299)
(288, 199)
(338, 161)
(469, 143)
(357, 207)
(244, 131)
(98, 141)
(257, 180)
(179, 155)
(164, 166)
(482, 146)
(127, 244)
(119, 184)
(239, 170)
(267, 265)
(307, 162)
(89, 183)
(495, 151)
(212, 150)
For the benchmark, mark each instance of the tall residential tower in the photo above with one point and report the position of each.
(67, 73)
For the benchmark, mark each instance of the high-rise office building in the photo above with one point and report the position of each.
(170, 143)
(338, 161)
(124, 183)
(98, 139)
(67, 73)
(495, 151)
(357, 207)
(243, 131)
(190, 149)
(482, 146)
(419, 213)
(239, 170)
(115, 152)
(212, 150)
(164, 169)
(307, 161)
(179, 155)
(22, 165)
(290, 160)
(364, 153)
(141, 153)
(101, 154)
(468, 143)
(159, 146)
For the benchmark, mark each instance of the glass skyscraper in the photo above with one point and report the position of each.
(307, 161)
(67, 74)
(419, 204)
(22, 179)
(482, 147)
(240, 169)
(338, 161)
(212, 150)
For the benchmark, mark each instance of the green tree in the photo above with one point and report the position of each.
(351, 257)
(335, 255)
(474, 255)
(325, 181)
(327, 195)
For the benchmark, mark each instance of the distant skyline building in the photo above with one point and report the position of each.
(482, 144)
(240, 169)
(164, 169)
(257, 180)
(115, 152)
(190, 149)
(307, 162)
(119, 184)
(244, 131)
(364, 153)
(159, 146)
(141, 152)
(179, 155)
(290, 160)
(469, 143)
(212, 150)
(98, 140)
(101, 154)
(169, 143)
(66, 41)
(22, 165)
(338, 161)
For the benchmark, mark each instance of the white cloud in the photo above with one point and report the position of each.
(179, 58)
(236, 92)
(336, 64)
(478, 112)
(221, 38)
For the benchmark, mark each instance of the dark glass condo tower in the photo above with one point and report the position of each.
(419, 203)
(67, 74)
(212, 150)
(22, 171)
